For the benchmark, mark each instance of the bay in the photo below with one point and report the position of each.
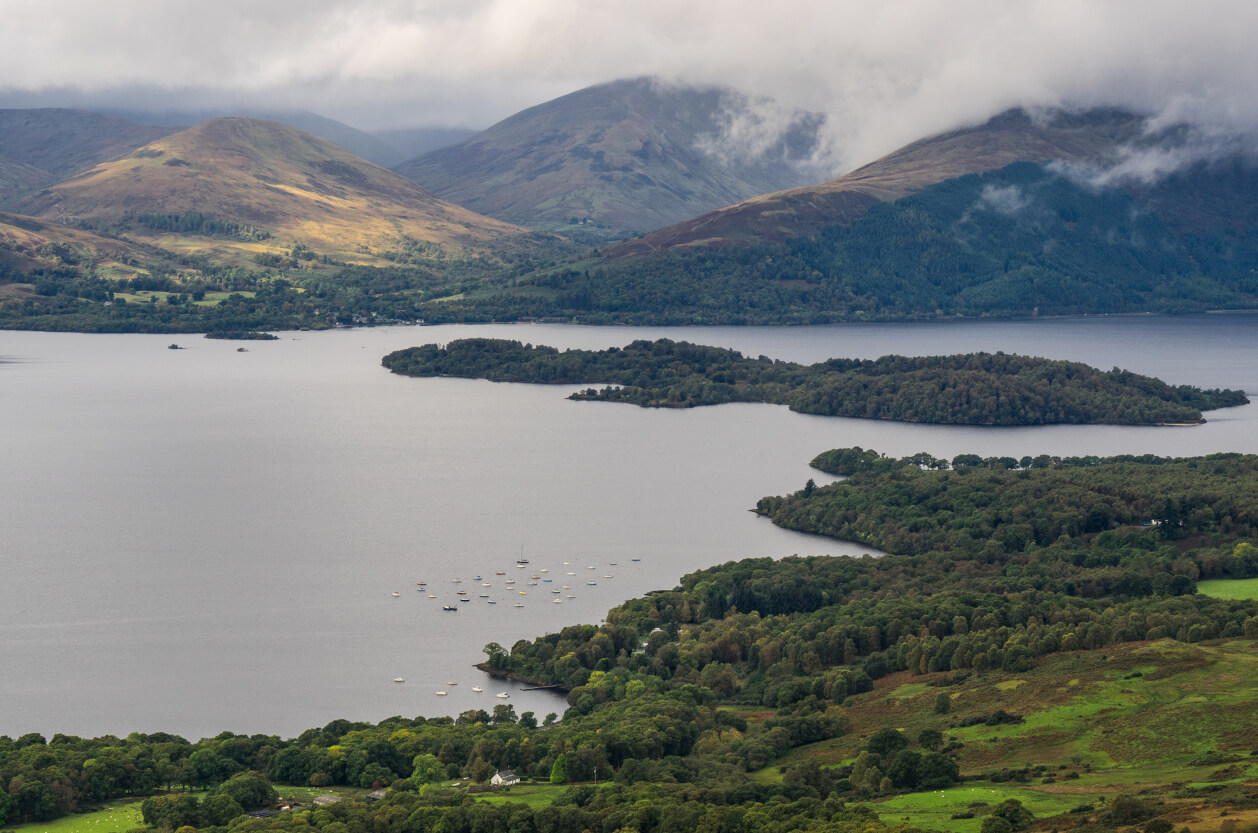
(202, 539)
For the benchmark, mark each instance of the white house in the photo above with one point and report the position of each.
(504, 778)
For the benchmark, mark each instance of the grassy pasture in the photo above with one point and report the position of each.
(1157, 717)
(118, 817)
(534, 795)
(935, 809)
(1241, 588)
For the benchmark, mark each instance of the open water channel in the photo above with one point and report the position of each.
(203, 539)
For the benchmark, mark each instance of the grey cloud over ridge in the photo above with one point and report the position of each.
(885, 73)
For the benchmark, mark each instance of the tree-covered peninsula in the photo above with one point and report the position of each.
(971, 389)
(1035, 654)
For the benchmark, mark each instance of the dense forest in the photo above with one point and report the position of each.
(974, 389)
(754, 696)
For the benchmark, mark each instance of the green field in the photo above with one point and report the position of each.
(935, 809)
(1240, 588)
(121, 816)
(118, 817)
(534, 795)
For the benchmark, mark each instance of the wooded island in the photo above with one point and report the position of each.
(970, 389)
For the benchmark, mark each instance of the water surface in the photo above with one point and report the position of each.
(205, 539)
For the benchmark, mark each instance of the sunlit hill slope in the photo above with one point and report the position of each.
(271, 186)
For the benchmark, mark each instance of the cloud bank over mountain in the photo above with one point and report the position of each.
(884, 73)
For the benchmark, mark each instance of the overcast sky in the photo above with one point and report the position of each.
(885, 71)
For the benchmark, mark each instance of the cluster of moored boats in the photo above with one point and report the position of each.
(442, 693)
(537, 579)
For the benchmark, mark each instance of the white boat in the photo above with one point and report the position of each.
(558, 601)
(591, 583)
(477, 689)
(398, 680)
(396, 594)
(569, 596)
(456, 581)
(441, 694)
(451, 682)
(518, 604)
(431, 596)
(554, 591)
(504, 695)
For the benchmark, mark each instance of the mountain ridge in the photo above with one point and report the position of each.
(41, 146)
(1012, 136)
(620, 157)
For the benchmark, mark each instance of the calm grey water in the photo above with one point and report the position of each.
(202, 539)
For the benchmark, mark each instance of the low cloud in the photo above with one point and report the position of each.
(884, 74)
(758, 128)
(1165, 150)
(1008, 199)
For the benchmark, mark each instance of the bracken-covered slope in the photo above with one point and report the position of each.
(287, 186)
(41, 146)
(1093, 137)
(626, 156)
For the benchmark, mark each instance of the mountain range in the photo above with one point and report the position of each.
(1050, 212)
